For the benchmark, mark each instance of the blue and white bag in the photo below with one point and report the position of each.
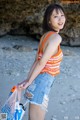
(13, 108)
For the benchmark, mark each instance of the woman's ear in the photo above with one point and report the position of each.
(49, 22)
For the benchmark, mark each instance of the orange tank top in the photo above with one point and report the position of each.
(53, 64)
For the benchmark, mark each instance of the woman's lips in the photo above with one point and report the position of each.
(60, 23)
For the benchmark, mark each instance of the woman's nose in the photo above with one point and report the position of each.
(60, 18)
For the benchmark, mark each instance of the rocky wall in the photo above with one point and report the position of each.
(24, 17)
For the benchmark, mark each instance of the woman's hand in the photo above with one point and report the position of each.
(23, 85)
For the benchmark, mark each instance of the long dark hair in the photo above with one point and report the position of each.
(46, 26)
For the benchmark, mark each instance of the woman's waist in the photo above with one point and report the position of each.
(53, 74)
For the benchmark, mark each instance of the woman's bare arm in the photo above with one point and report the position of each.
(49, 51)
(33, 65)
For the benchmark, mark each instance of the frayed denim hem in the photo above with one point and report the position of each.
(41, 105)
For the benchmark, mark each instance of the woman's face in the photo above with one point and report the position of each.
(57, 20)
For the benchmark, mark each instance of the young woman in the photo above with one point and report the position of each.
(46, 65)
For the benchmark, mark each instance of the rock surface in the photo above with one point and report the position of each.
(25, 17)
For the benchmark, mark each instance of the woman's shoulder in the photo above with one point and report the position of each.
(55, 36)
(52, 34)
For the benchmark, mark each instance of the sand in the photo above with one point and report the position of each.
(17, 53)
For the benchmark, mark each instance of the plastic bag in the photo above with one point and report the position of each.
(9, 106)
(14, 109)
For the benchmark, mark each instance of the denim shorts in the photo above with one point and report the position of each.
(38, 92)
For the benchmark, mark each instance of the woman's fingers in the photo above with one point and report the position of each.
(20, 86)
(26, 85)
(23, 85)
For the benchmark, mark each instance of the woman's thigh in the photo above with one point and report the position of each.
(36, 112)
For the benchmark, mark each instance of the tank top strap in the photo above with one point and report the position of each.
(45, 39)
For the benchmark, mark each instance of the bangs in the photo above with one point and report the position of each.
(59, 10)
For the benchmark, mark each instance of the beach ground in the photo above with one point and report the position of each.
(17, 53)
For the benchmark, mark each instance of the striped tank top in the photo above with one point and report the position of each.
(53, 64)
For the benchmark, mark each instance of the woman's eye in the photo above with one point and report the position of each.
(62, 15)
(55, 16)
(58, 16)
